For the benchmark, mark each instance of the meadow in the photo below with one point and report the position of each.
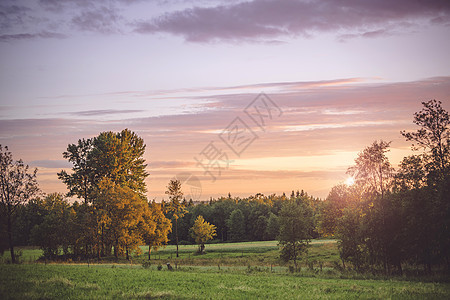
(227, 271)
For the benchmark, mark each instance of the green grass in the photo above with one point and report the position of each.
(248, 270)
(264, 253)
(38, 281)
(25, 254)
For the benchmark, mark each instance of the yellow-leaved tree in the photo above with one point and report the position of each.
(202, 232)
(161, 226)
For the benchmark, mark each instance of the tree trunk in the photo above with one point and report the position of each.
(10, 238)
(176, 233)
(399, 267)
(149, 251)
(126, 251)
(102, 252)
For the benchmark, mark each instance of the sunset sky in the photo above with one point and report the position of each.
(186, 75)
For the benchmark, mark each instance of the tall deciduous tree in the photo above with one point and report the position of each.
(372, 169)
(157, 236)
(17, 187)
(80, 182)
(374, 174)
(175, 206)
(109, 163)
(427, 176)
(123, 217)
(117, 156)
(433, 136)
(295, 225)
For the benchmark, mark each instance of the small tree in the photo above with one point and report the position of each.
(295, 224)
(17, 187)
(175, 205)
(202, 232)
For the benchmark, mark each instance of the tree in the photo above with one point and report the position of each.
(351, 238)
(175, 206)
(54, 231)
(119, 156)
(116, 158)
(372, 169)
(295, 225)
(202, 232)
(236, 225)
(123, 217)
(427, 176)
(273, 227)
(333, 209)
(374, 174)
(80, 182)
(433, 136)
(17, 187)
(158, 236)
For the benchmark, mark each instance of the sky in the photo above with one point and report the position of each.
(239, 97)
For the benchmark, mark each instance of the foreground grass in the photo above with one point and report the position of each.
(38, 281)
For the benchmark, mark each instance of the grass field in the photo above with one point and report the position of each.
(39, 281)
(264, 253)
(243, 254)
(227, 271)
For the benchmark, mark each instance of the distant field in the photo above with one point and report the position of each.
(39, 281)
(265, 253)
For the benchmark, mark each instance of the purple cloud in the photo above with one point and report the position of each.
(26, 36)
(103, 112)
(103, 20)
(268, 19)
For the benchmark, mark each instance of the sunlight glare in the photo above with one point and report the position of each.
(350, 181)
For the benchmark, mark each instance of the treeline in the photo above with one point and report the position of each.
(389, 219)
(59, 227)
(255, 218)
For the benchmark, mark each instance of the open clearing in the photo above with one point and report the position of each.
(228, 271)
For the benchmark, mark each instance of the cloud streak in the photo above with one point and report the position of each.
(103, 112)
(270, 19)
(27, 36)
(266, 21)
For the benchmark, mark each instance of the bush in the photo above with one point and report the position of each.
(146, 264)
(159, 267)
